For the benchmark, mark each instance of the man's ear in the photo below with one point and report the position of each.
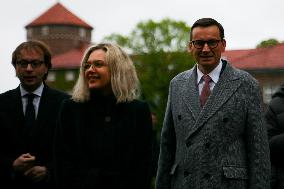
(189, 47)
(223, 44)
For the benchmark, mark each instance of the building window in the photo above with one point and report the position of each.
(29, 33)
(268, 91)
(82, 32)
(45, 30)
(51, 77)
(69, 76)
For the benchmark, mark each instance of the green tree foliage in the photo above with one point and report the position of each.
(159, 53)
(150, 36)
(155, 71)
(268, 43)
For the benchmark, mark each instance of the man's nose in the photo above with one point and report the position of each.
(29, 67)
(206, 47)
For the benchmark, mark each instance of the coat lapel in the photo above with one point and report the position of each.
(228, 83)
(190, 91)
(43, 109)
(17, 105)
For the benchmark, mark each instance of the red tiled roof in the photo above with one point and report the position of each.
(70, 59)
(58, 15)
(250, 59)
(257, 59)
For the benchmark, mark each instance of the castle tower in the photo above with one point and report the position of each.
(60, 29)
(67, 36)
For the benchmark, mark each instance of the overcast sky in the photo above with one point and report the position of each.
(246, 22)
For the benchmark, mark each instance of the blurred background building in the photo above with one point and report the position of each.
(68, 36)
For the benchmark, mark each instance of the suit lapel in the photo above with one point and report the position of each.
(17, 106)
(228, 83)
(190, 91)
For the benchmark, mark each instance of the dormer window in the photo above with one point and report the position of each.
(51, 77)
(82, 32)
(45, 30)
(69, 76)
(29, 32)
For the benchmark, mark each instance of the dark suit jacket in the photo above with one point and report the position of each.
(103, 145)
(222, 146)
(275, 125)
(16, 139)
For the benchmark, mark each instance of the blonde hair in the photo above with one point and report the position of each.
(124, 80)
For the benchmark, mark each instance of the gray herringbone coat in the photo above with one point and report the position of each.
(222, 146)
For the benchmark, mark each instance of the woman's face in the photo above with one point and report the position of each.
(97, 72)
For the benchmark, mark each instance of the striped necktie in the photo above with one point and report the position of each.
(205, 92)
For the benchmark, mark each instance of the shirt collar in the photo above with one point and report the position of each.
(214, 74)
(37, 92)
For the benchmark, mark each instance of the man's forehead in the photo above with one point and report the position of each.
(30, 52)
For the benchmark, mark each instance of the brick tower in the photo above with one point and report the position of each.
(67, 36)
(60, 29)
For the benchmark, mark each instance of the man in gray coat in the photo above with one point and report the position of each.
(213, 136)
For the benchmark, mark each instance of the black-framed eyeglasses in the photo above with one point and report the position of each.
(94, 64)
(199, 44)
(33, 63)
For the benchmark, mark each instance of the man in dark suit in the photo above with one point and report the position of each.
(274, 117)
(27, 121)
(213, 134)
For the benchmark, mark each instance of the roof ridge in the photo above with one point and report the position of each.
(58, 15)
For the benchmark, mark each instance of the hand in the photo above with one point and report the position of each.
(24, 162)
(36, 173)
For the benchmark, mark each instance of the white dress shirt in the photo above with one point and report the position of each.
(36, 101)
(214, 74)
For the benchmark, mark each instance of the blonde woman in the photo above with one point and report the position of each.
(103, 138)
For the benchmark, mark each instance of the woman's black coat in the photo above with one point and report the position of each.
(101, 144)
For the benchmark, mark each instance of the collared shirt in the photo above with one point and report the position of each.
(37, 92)
(214, 74)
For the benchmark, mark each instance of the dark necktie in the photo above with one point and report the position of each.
(205, 92)
(30, 110)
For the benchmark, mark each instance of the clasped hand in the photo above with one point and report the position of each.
(25, 164)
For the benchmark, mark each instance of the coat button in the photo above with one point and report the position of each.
(187, 143)
(207, 176)
(225, 119)
(207, 145)
(185, 173)
(179, 117)
(107, 119)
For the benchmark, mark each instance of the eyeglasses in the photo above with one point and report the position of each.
(33, 63)
(199, 44)
(94, 64)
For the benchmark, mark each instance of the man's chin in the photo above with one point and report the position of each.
(29, 82)
(30, 85)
